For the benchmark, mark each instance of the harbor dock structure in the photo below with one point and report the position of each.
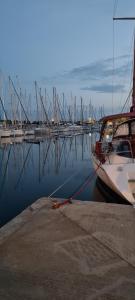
(83, 250)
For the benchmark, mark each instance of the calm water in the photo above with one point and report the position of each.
(30, 171)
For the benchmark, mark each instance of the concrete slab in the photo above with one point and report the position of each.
(111, 224)
(75, 252)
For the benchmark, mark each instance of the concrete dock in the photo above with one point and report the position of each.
(80, 251)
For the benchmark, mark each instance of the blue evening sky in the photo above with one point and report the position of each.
(69, 44)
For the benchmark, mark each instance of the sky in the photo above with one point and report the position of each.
(70, 44)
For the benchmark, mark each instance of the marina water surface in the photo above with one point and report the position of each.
(56, 166)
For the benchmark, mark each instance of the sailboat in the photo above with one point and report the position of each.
(114, 159)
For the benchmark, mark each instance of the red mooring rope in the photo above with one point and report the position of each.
(57, 204)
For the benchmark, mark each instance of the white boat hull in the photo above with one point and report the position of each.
(29, 132)
(5, 133)
(17, 132)
(120, 177)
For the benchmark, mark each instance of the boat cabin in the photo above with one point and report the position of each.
(111, 123)
(125, 130)
(117, 135)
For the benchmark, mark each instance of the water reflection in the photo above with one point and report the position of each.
(31, 169)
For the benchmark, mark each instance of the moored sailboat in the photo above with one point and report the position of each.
(114, 160)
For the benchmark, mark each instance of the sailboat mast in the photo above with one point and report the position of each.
(133, 93)
(132, 108)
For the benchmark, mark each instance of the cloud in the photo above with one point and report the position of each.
(101, 69)
(93, 77)
(105, 88)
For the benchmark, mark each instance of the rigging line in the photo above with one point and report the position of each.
(4, 109)
(127, 100)
(58, 102)
(130, 84)
(42, 103)
(19, 99)
(131, 71)
(122, 92)
(115, 7)
(113, 65)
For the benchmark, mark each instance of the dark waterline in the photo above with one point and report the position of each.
(30, 171)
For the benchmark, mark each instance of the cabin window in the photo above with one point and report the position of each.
(122, 130)
(122, 148)
(133, 127)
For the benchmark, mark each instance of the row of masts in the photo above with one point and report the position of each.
(20, 109)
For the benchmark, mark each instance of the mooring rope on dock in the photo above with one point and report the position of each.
(89, 178)
(60, 186)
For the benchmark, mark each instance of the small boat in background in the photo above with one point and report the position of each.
(5, 133)
(17, 132)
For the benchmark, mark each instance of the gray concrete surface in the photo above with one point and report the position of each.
(80, 251)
